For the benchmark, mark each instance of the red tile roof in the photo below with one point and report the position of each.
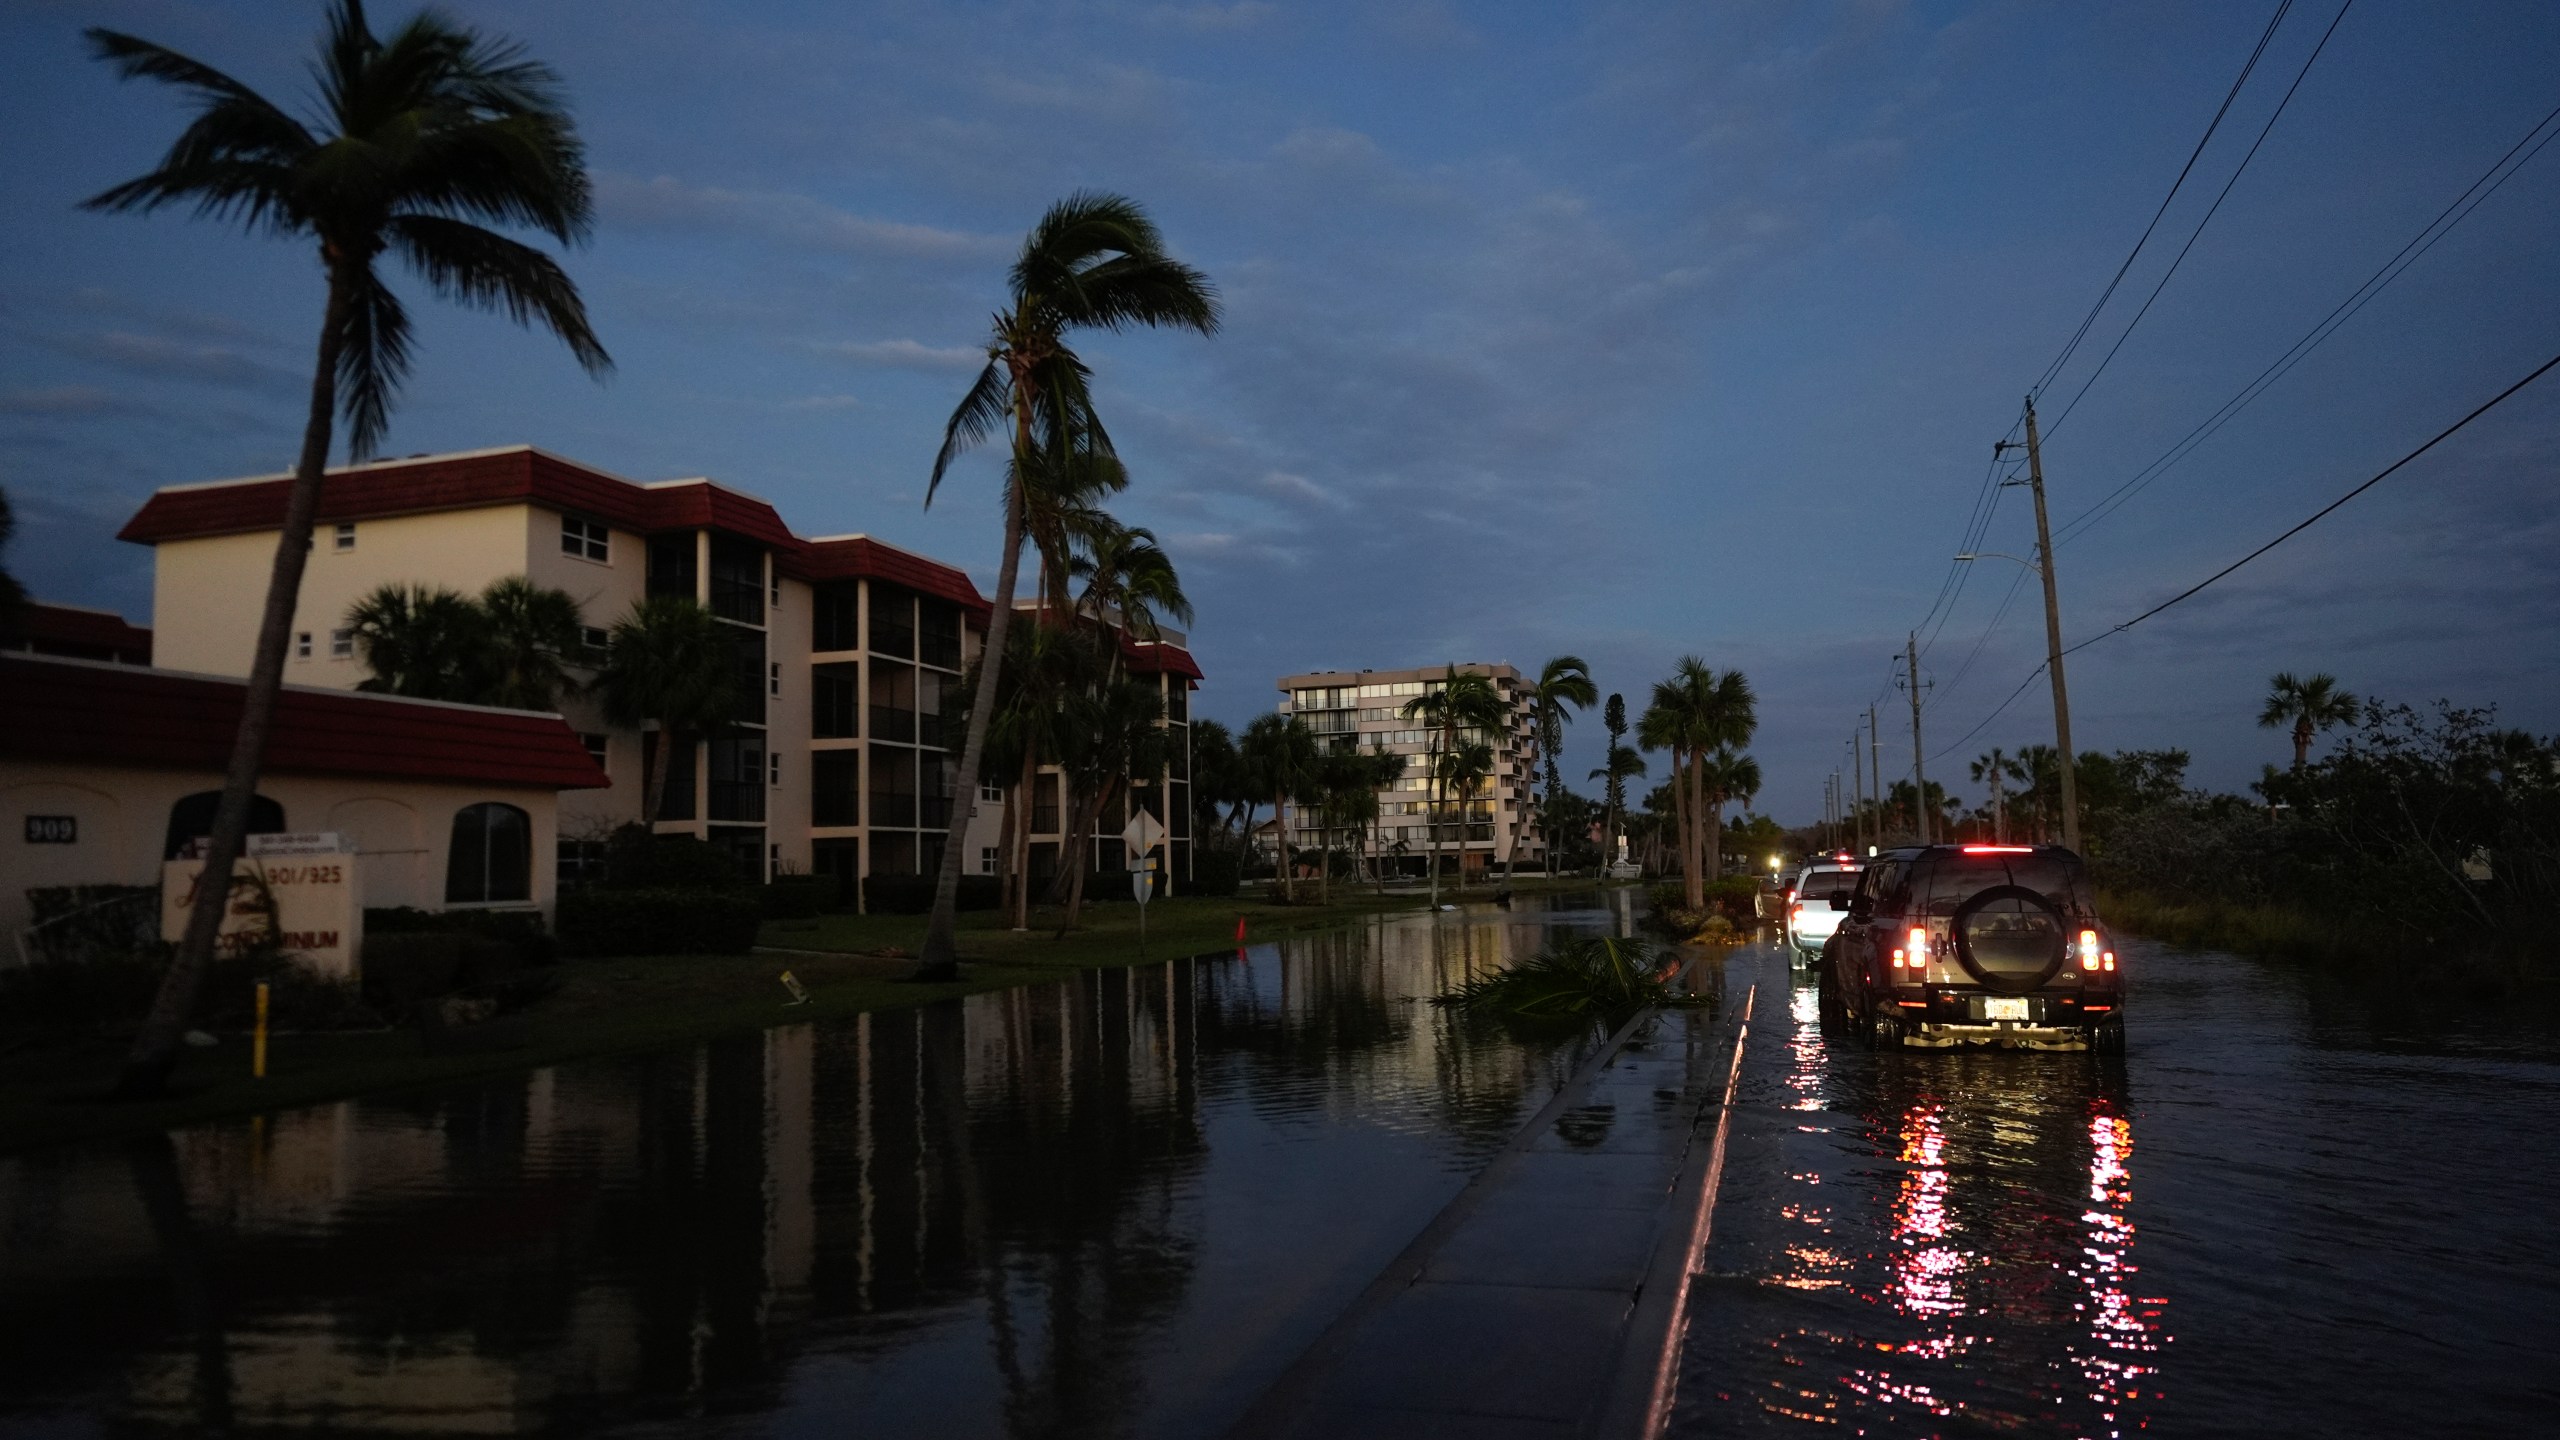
(1157, 658)
(861, 557)
(77, 710)
(83, 634)
(459, 482)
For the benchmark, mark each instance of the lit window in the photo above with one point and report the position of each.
(346, 534)
(302, 645)
(342, 644)
(586, 539)
(598, 747)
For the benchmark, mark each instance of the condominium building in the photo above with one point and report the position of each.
(1364, 710)
(837, 760)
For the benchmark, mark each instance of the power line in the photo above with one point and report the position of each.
(2323, 512)
(2315, 517)
(2198, 153)
(2493, 178)
(2263, 132)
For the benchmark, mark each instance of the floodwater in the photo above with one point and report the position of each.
(1116, 1205)
(2295, 1207)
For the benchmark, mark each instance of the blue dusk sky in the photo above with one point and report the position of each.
(1625, 331)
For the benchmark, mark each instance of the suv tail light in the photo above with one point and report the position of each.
(1916, 957)
(2089, 951)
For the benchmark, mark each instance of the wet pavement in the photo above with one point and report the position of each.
(2295, 1207)
(1117, 1205)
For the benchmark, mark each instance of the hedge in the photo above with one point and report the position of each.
(913, 894)
(658, 922)
(1215, 873)
(801, 897)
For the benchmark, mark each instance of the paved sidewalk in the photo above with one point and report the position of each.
(1539, 1302)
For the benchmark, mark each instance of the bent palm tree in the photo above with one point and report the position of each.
(2309, 706)
(427, 136)
(1093, 262)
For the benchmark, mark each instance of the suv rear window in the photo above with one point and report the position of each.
(1824, 882)
(1954, 879)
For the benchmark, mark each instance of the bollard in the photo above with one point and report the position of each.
(258, 1039)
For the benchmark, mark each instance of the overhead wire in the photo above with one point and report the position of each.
(2260, 49)
(2180, 258)
(2496, 176)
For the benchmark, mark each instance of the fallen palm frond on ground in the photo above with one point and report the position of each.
(1578, 978)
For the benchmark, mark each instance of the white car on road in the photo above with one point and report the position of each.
(1811, 917)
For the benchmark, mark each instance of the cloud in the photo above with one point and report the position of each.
(163, 358)
(780, 216)
(64, 400)
(904, 354)
(1298, 489)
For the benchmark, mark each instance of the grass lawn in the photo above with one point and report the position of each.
(52, 1089)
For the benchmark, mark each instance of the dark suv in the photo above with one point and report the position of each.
(1947, 945)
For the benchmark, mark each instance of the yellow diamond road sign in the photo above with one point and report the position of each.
(1143, 833)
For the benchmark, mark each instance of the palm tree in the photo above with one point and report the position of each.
(673, 662)
(1279, 751)
(1563, 682)
(1465, 769)
(2309, 706)
(427, 643)
(1217, 780)
(1448, 705)
(1122, 737)
(1695, 713)
(532, 631)
(425, 138)
(1093, 262)
(1993, 766)
(1613, 718)
(12, 594)
(1049, 668)
(1724, 774)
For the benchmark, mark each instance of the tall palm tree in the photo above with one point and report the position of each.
(1093, 262)
(2309, 706)
(1991, 767)
(1724, 774)
(2038, 769)
(1280, 753)
(1465, 770)
(1613, 718)
(1453, 703)
(1563, 686)
(533, 631)
(672, 662)
(12, 594)
(424, 642)
(1695, 713)
(1121, 738)
(1050, 667)
(424, 139)
(1216, 779)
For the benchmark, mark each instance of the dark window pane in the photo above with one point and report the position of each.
(737, 778)
(835, 702)
(835, 793)
(491, 855)
(893, 786)
(835, 625)
(748, 650)
(893, 626)
(737, 579)
(938, 633)
(893, 701)
(672, 565)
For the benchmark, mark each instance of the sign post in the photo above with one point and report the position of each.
(1142, 836)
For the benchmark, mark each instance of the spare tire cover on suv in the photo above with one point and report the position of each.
(2010, 938)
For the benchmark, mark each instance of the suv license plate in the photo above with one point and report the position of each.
(1999, 1008)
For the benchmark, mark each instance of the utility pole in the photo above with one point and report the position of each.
(1919, 780)
(1875, 769)
(1858, 787)
(2052, 636)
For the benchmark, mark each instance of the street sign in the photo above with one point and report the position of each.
(1143, 833)
(1142, 881)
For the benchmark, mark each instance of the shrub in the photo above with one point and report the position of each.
(1215, 872)
(638, 860)
(521, 930)
(111, 992)
(658, 922)
(1574, 981)
(913, 894)
(800, 897)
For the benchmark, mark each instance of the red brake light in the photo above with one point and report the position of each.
(1919, 941)
(1999, 849)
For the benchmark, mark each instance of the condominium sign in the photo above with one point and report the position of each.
(298, 892)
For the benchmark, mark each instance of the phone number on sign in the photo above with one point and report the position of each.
(307, 875)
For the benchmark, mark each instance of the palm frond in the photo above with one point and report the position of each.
(988, 405)
(480, 267)
(373, 358)
(1145, 290)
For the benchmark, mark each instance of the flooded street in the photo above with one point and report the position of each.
(1116, 1205)
(2290, 1209)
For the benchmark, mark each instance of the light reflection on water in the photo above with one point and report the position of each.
(2289, 1210)
(1117, 1204)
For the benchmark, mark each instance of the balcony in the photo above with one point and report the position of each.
(737, 800)
(888, 724)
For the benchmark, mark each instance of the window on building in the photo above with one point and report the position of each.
(737, 579)
(986, 859)
(598, 747)
(748, 648)
(773, 681)
(597, 641)
(342, 644)
(191, 819)
(302, 645)
(678, 803)
(773, 770)
(579, 863)
(893, 625)
(738, 779)
(835, 696)
(835, 787)
(673, 565)
(938, 633)
(586, 539)
(346, 533)
(834, 626)
(990, 792)
(491, 859)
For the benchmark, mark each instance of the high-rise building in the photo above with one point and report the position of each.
(837, 760)
(1364, 710)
